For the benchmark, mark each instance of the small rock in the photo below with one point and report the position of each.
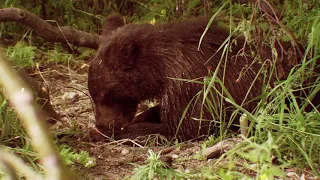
(292, 174)
(253, 166)
(91, 163)
(174, 156)
(69, 95)
(125, 152)
(210, 160)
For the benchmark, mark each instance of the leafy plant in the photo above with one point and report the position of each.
(287, 123)
(262, 155)
(155, 168)
(59, 57)
(22, 55)
(70, 157)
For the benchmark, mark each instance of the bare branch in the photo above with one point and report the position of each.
(47, 31)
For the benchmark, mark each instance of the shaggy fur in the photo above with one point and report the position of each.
(142, 62)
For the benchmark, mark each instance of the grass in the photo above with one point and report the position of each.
(71, 157)
(22, 55)
(284, 132)
(11, 131)
(283, 129)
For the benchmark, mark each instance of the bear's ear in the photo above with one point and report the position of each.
(113, 22)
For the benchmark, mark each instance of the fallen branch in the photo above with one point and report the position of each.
(48, 32)
(221, 147)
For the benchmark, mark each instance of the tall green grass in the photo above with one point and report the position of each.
(286, 123)
(285, 126)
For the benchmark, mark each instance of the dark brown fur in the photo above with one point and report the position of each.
(135, 63)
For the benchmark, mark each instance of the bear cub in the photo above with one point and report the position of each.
(139, 62)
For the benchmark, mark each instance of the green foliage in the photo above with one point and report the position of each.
(70, 157)
(59, 57)
(284, 131)
(1, 172)
(86, 53)
(262, 156)
(155, 10)
(314, 38)
(299, 130)
(210, 141)
(155, 168)
(283, 128)
(163, 11)
(285, 116)
(22, 55)
(12, 133)
(299, 17)
(249, 158)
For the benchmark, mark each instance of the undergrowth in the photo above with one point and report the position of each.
(286, 123)
(283, 134)
(155, 168)
(22, 55)
(12, 135)
(285, 126)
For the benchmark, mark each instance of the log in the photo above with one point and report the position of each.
(48, 32)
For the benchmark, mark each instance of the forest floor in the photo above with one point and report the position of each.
(114, 159)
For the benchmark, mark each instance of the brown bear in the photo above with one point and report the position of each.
(139, 62)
